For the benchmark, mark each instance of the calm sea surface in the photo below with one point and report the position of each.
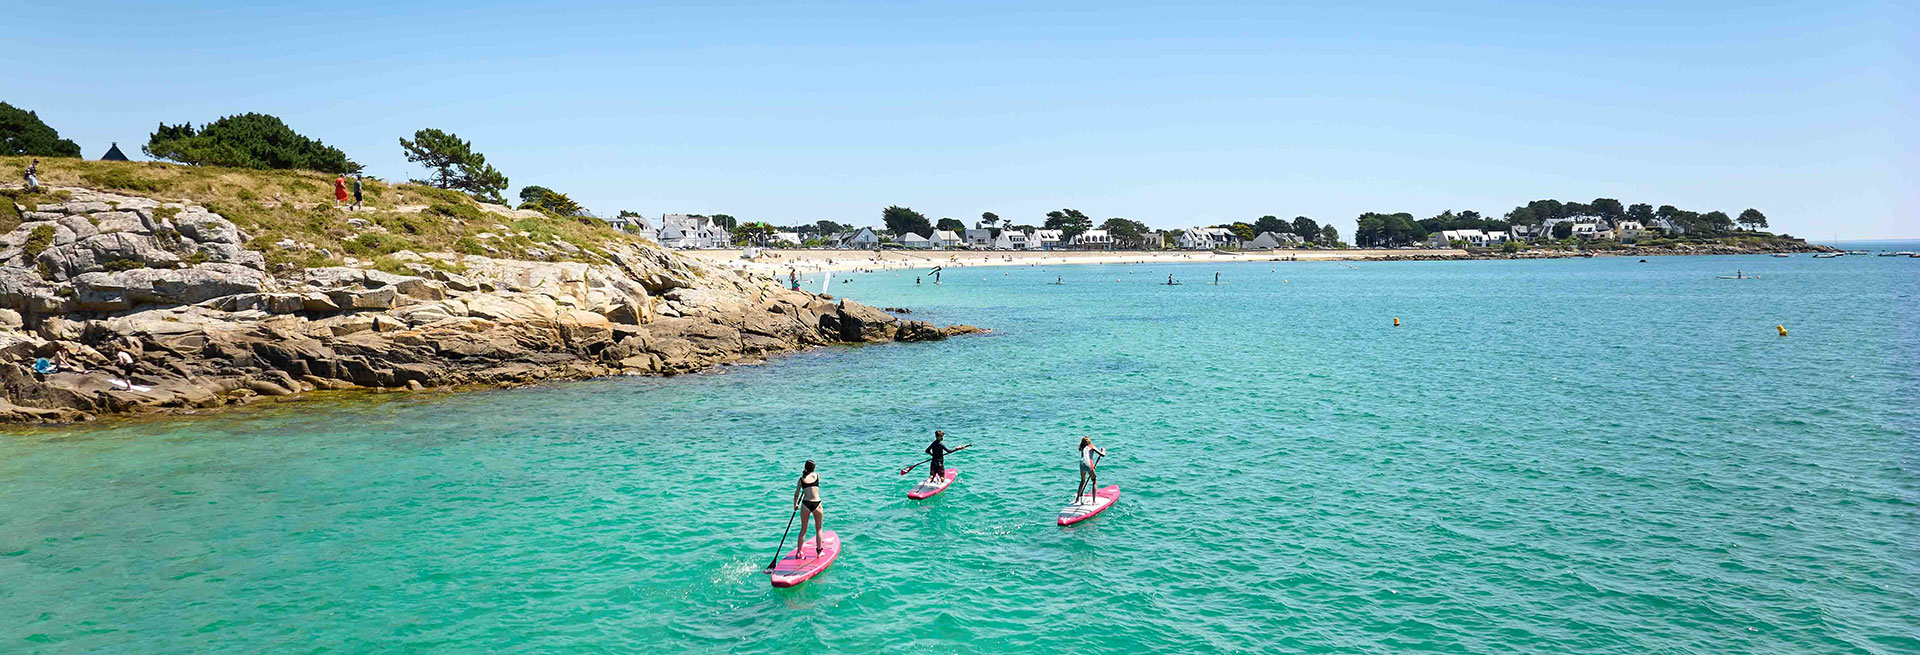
(1584, 456)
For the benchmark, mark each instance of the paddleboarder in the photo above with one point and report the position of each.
(806, 498)
(1087, 466)
(938, 466)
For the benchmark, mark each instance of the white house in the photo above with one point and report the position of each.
(1044, 240)
(1092, 240)
(786, 238)
(1666, 227)
(979, 238)
(944, 239)
(1445, 238)
(1208, 238)
(1011, 240)
(1271, 240)
(1629, 231)
(635, 224)
(691, 231)
(914, 240)
(862, 239)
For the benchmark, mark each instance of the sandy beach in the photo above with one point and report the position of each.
(778, 261)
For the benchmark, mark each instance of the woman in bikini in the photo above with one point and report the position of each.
(806, 498)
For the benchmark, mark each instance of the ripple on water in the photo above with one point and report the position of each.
(1547, 457)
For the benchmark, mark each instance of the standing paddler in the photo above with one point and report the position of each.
(1088, 464)
(806, 500)
(937, 467)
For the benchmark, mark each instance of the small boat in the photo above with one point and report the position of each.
(1739, 277)
(1782, 255)
(1829, 255)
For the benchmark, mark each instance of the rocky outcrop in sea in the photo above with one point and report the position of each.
(204, 321)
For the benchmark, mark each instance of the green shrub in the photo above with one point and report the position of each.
(468, 246)
(38, 240)
(247, 140)
(45, 269)
(123, 264)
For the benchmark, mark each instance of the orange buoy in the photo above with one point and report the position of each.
(1396, 321)
(1782, 329)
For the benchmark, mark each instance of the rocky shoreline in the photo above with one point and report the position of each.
(149, 306)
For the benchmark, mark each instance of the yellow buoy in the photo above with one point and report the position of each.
(1396, 321)
(1782, 329)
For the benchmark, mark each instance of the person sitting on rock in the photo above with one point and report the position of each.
(64, 360)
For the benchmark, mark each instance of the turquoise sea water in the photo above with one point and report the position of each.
(1582, 456)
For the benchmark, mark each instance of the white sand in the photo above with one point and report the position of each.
(776, 263)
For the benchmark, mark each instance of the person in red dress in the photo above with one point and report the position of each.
(340, 189)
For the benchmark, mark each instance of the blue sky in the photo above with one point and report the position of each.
(1172, 114)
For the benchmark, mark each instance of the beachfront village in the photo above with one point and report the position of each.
(1601, 224)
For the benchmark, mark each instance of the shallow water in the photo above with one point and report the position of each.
(1593, 456)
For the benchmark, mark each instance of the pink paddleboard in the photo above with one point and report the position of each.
(801, 564)
(1091, 506)
(926, 489)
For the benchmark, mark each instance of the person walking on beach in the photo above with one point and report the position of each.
(339, 190)
(356, 193)
(32, 176)
(806, 498)
(938, 450)
(1087, 466)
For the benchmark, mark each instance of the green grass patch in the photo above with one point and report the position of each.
(374, 244)
(272, 206)
(467, 213)
(9, 215)
(121, 179)
(117, 265)
(38, 240)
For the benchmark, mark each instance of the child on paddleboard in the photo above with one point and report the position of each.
(939, 452)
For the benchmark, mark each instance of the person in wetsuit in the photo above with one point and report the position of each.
(806, 498)
(938, 466)
(1087, 466)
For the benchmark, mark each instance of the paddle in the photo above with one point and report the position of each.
(929, 459)
(783, 539)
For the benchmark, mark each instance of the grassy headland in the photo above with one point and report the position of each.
(276, 207)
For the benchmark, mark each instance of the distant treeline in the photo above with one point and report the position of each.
(261, 141)
(1377, 229)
